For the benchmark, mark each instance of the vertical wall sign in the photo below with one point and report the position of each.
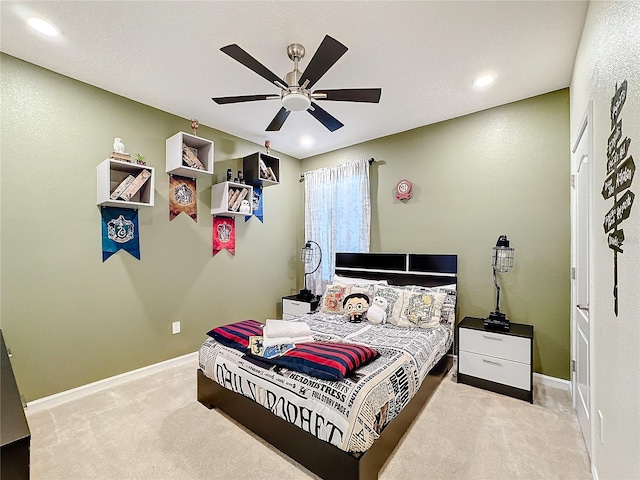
(257, 204)
(224, 234)
(120, 231)
(182, 197)
(620, 171)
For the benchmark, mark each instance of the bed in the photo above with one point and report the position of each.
(334, 456)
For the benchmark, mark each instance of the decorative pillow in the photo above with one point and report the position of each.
(333, 298)
(236, 335)
(421, 309)
(326, 360)
(356, 281)
(385, 298)
(448, 312)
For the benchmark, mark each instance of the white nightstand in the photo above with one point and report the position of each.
(293, 306)
(500, 361)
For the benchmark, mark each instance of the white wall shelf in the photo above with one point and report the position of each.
(175, 163)
(255, 175)
(111, 173)
(221, 193)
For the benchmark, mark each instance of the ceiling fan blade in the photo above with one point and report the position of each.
(243, 98)
(278, 120)
(368, 95)
(325, 118)
(237, 53)
(328, 53)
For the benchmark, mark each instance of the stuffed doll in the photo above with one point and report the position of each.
(377, 313)
(356, 306)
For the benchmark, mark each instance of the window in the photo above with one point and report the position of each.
(337, 215)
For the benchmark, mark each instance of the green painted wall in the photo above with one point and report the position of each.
(499, 171)
(71, 319)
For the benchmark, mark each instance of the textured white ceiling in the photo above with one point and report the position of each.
(423, 54)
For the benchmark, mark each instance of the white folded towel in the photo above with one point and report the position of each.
(285, 328)
(271, 341)
(279, 332)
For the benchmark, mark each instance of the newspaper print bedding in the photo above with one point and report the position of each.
(351, 413)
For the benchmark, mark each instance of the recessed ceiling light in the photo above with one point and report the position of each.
(306, 141)
(43, 26)
(483, 81)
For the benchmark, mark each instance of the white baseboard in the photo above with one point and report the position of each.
(62, 397)
(552, 382)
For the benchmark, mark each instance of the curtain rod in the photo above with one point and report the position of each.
(371, 160)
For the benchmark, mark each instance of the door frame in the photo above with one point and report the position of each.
(586, 128)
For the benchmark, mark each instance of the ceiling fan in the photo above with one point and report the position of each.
(295, 92)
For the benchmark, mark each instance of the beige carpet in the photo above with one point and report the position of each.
(153, 428)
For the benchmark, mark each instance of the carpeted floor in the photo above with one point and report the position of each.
(153, 428)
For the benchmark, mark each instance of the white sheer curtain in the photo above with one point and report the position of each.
(337, 215)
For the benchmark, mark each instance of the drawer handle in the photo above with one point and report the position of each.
(490, 337)
(297, 304)
(492, 362)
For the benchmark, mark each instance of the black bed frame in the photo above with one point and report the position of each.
(320, 457)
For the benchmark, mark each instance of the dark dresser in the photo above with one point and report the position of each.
(15, 436)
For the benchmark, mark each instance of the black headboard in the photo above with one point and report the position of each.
(400, 268)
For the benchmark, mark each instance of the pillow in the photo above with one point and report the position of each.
(388, 299)
(448, 312)
(326, 360)
(236, 335)
(421, 309)
(356, 281)
(333, 298)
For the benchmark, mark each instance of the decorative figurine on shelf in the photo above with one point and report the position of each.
(245, 207)
(194, 126)
(140, 159)
(240, 176)
(267, 145)
(118, 146)
(229, 174)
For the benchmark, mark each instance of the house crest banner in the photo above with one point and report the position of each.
(182, 197)
(224, 234)
(120, 231)
(257, 204)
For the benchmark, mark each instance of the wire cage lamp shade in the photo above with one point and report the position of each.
(307, 255)
(502, 257)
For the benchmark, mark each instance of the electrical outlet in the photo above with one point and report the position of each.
(601, 418)
(175, 327)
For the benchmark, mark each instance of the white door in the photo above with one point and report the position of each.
(581, 322)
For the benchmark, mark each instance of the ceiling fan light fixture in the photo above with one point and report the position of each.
(295, 101)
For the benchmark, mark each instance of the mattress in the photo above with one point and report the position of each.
(350, 413)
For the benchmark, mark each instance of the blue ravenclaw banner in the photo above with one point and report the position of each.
(257, 204)
(120, 231)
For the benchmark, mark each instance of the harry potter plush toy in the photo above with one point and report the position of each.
(356, 306)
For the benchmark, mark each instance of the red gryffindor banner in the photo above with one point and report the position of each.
(224, 234)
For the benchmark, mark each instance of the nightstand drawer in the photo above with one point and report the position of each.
(509, 347)
(499, 370)
(295, 307)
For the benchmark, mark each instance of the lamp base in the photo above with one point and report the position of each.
(496, 321)
(305, 294)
